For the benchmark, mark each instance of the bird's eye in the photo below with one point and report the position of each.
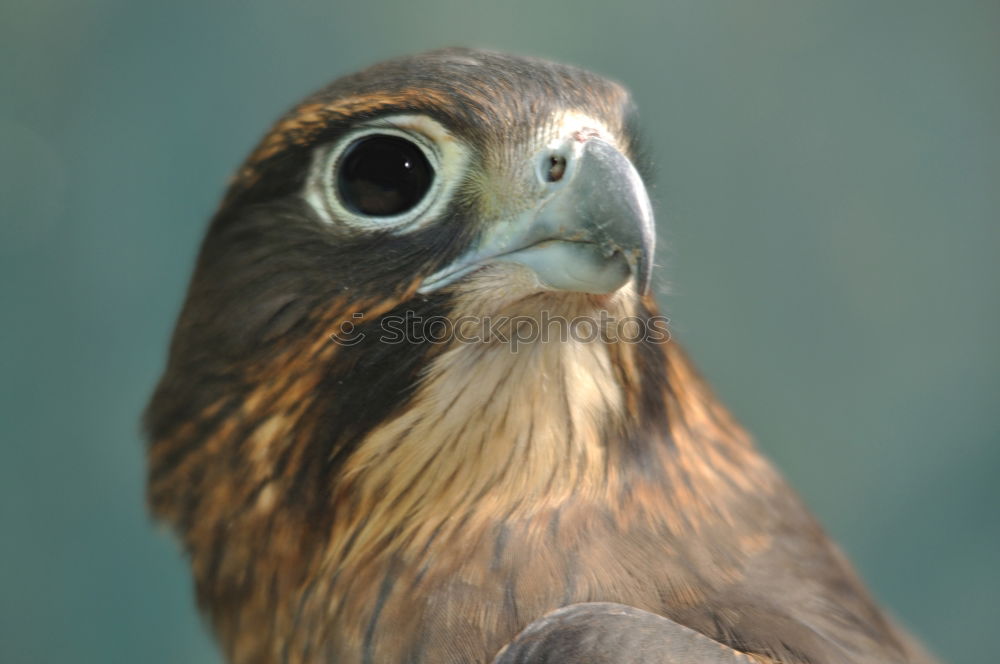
(394, 174)
(382, 175)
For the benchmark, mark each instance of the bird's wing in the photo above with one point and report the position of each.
(606, 633)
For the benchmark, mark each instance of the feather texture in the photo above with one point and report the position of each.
(425, 502)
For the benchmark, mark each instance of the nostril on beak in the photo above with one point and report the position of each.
(554, 167)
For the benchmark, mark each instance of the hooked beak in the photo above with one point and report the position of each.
(592, 233)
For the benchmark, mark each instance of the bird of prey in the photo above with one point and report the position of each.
(352, 484)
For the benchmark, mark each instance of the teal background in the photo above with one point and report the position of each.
(829, 205)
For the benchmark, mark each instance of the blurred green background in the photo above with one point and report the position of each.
(829, 200)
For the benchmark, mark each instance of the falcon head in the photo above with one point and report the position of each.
(417, 173)
(302, 433)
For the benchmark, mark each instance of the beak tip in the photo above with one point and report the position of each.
(641, 264)
(643, 280)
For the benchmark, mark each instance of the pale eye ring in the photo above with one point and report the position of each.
(396, 174)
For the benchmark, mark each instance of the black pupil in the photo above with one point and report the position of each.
(381, 175)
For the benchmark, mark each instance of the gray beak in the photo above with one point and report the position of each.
(592, 232)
